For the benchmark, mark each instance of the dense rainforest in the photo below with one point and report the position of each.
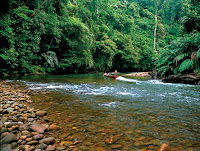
(76, 36)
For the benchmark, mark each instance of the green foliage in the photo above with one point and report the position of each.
(181, 56)
(185, 65)
(62, 36)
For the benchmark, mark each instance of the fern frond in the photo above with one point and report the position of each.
(4, 57)
(186, 64)
(181, 56)
(163, 69)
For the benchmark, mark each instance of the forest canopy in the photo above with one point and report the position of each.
(76, 36)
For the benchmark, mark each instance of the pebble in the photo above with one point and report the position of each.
(50, 148)
(116, 146)
(29, 148)
(25, 133)
(39, 136)
(30, 119)
(23, 142)
(14, 145)
(38, 128)
(48, 140)
(54, 127)
(61, 147)
(23, 127)
(10, 124)
(32, 142)
(165, 147)
(42, 146)
(23, 137)
(3, 130)
(41, 113)
(8, 139)
(28, 139)
(4, 134)
(21, 147)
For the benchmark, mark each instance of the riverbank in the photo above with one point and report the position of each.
(23, 127)
(186, 79)
(137, 74)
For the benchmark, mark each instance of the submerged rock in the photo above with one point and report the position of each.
(54, 127)
(48, 140)
(165, 147)
(41, 113)
(37, 137)
(50, 148)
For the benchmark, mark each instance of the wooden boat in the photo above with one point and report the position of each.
(111, 76)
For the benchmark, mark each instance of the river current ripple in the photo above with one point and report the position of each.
(160, 112)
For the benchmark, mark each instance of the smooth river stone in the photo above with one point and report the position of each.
(23, 127)
(32, 142)
(50, 148)
(47, 141)
(54, 127)
(41, 113)
(40, 128)
(10, 124)
(9, 138)
(165, 147)
(39, 136)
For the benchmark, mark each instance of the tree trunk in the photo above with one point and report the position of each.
(155, 31)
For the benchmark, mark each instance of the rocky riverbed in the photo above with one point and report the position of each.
(23, 127)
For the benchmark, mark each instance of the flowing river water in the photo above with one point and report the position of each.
(100, 113)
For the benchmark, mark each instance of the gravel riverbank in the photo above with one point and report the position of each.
(23, 127)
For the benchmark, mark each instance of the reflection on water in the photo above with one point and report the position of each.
(136, 114)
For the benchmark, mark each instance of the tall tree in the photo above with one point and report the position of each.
(159, 7)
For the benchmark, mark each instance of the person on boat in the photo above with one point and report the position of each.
(115, 74)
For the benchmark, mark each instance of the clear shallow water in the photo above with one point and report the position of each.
(143, 114)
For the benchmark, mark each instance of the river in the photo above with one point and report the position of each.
(121, 114)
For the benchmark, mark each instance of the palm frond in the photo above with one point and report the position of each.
(4, 57)
(186, 64)
(181, 56)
